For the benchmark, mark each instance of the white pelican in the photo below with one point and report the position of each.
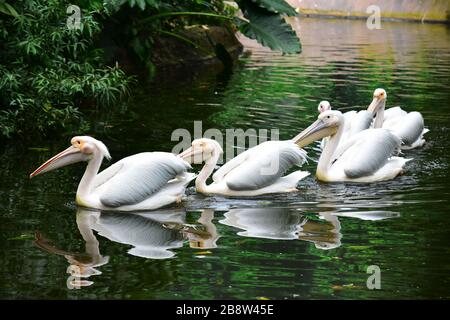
(144, 181)
(364, 157)
(408, 126)
(355, 121)
(256, 171)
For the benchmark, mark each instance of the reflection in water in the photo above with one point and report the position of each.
(269, 223)
(208, 238)
(146, 233)
(369, 215)
(324, 235)
(81, 265)
(286, 224)
(283, 224)
(152, 235)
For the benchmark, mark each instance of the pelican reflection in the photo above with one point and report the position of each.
(145, 232)
(82, 265)
(151, 235)
(207, 238)
(288, 224)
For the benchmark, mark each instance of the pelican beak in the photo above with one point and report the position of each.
(186, 153)
(376, 105)
(318, 130)
(192, 155)
(70, 155)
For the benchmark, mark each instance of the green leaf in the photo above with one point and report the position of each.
(153, 3)
(268, 28)
(141, 4)
(8, 9)
(23, 237)
(276, 6)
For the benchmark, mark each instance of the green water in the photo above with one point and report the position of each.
(316, 243)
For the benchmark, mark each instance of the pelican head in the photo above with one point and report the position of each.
(82, 148)
(201, 151)
(327, 124)
(379, 100)
(324, 106)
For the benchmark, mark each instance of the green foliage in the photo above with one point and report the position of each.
(142, 4)
(137, 23)
(263, 22)
(48, 71)
(267, 26)
(8, 9)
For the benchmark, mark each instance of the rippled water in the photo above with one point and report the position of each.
(317, 243)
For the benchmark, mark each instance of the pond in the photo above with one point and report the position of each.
(317, 243)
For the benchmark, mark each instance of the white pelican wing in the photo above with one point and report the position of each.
(140, 176)
(107, 174)
(367, 152)
(394, 113)
(267, 163)
(360, 121)
(233, 163)
(349, 116)
(408, 128)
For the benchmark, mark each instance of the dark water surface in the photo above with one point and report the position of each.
(317, 243)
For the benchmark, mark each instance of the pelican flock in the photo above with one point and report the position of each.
(367, 156)
(356, 146)
(408, 126)
(355, 121)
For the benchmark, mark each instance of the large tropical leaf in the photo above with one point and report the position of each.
(268, 28)
(276, 6)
